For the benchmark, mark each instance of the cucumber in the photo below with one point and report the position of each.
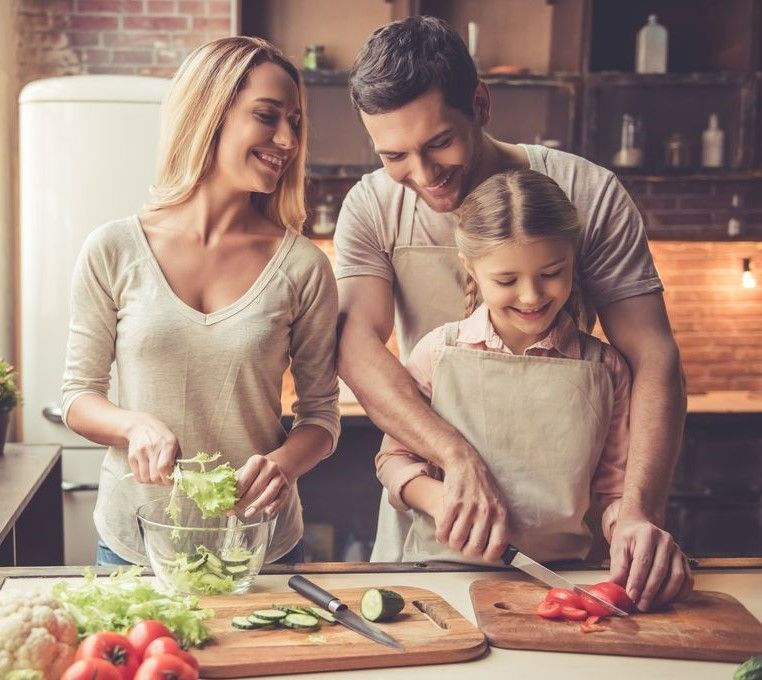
(323, 614)
(270, 614)
(243, 623)
(300, 621)
(195, 562)
(236, 569)
(378, 604)
(236, 556)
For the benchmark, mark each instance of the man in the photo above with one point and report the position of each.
(419, 97)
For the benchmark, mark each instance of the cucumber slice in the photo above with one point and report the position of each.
(236, 556)
(300, 621)
(270, 614)
(243, 623)
(323, 614)
(195, 562)
(378, 604)
(236, 569)
(259, 622)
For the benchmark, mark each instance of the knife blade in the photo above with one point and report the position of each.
(514, 558)
(342, 613)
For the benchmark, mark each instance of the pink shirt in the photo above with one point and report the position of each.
(396, 466)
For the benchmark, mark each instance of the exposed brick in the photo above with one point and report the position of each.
(84, 38)
(136, 39)
(156, 23)
(702, 202)
(682, 218)
(656, 202)
(112, 6)
(211, 24)
(93, 22)
(161, 6)
(218, 8)
(680, 187)
(96, 57)
(133, 56)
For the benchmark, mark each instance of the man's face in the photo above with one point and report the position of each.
(428, 146)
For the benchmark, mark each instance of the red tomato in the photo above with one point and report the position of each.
(191, 660)
(574, 614)
(549, 610)
(614, 593)
(91, 669)
(165, 667)
(141, 634)
(111, 647)
(566, 598)
(162, 645)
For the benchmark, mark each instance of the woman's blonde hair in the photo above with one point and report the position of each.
(203, 90)
(515, 205)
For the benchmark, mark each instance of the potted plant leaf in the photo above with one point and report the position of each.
(10, 396)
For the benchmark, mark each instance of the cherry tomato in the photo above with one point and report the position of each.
(162, 645)
(574, 614)
(144, 632)
(165, 667)
(564, 597)
(614, 593)
(91, 669)
(549, 610)
(111, 647)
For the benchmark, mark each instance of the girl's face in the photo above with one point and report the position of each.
(525, 284)
(259, 136)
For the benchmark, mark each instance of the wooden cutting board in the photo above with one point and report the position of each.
(429, 628)
(707, 627)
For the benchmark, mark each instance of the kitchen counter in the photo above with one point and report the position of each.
(740, 578)
(30, 498)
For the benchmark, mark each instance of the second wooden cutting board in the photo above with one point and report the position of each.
(431, 630)
(707, 626)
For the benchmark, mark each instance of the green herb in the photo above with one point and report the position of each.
(213, 491)
(10, 395)
(122, 599)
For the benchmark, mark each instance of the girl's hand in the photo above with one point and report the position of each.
(151, 450)
(262, 485)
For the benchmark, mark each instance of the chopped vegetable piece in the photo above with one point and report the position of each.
(549, 610)
(378, 604)
(574, 614)
(300, 622)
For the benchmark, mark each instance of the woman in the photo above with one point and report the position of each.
(203, 299)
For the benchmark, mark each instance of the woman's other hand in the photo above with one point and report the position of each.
(152, 450)
(262, 485)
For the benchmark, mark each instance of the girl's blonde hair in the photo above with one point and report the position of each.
(203, 90)
(515, 205)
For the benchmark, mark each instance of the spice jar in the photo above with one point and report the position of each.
(314, 57)
(676, 152)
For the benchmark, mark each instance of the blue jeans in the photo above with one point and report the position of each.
(105, 557)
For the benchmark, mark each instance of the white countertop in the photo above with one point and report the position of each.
(503, 664)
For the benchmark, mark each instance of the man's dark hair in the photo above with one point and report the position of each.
(404, 59)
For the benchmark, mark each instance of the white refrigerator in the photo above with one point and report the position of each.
(87, 154)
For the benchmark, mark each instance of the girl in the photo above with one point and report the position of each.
(544, 403)
(202, 300)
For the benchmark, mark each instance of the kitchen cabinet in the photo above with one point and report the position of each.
(31, 508)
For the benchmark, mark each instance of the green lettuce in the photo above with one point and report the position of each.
(123, 598)
(213, 491)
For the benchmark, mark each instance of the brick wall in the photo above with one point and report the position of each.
(717, 322)
(143, 37)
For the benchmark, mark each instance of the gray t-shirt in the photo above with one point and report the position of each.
(213, 379)
(615, 262)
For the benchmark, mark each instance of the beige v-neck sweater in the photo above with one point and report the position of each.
(214, 379)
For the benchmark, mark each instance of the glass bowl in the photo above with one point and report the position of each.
(203, 556)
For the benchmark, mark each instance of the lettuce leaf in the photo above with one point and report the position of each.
(124, 598)
(213, 491)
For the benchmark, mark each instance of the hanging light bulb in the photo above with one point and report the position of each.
(748, 280)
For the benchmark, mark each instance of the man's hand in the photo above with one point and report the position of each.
(474, 517)
(648, 563)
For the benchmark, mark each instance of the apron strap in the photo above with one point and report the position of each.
(451, 333)
(407, 215)
(592, 348)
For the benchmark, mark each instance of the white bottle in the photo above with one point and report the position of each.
(712, 144)
(651, 48)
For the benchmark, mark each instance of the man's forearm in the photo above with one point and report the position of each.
(657, 417)
(391, 399)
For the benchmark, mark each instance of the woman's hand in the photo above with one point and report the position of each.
(152, 449)
(262, 485)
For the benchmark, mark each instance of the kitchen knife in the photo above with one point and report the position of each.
(341, 612)
(512, 557)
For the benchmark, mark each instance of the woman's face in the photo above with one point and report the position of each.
(260, 133)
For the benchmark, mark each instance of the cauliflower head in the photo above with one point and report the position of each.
(36, 634)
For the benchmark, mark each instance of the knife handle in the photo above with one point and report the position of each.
(315, 593)
(510, 552)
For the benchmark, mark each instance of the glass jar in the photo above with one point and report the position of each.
(314, 57)
(677, 152)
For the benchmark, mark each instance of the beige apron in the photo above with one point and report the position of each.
(429, 291)
(540, 423)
